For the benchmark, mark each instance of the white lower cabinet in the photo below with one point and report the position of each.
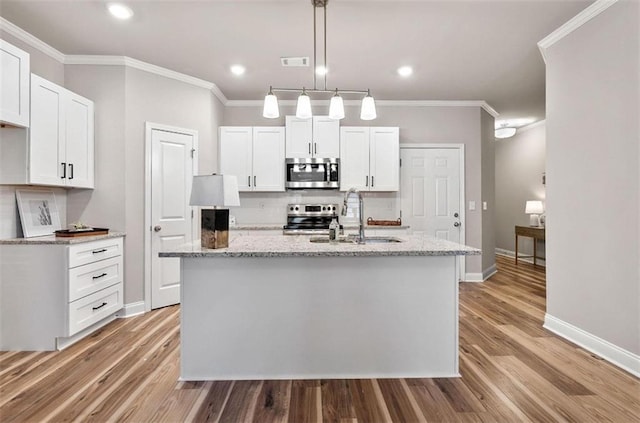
(50, 293)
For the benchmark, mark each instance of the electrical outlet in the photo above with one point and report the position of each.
(472, 205)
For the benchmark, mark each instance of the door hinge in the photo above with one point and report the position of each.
(400, 214)
(192, 213)
(400, 162)
(193, 151)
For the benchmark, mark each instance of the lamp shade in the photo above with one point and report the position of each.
(368, 110)
(336, 107)
(214, 190)
(534, 207)
(270, 109)
(303, 111)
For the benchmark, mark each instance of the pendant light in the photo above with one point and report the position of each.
(368, 110)
(505, 132)
(336, 108)
(271, 109)
(303, 111)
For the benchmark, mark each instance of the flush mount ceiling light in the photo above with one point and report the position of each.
(405, 71)
(238, 70)
(336, 107)
(505, 132)
(120, 10)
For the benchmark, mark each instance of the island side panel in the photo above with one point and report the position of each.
(318, 317)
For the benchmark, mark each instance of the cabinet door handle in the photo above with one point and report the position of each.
(249, 180)
(309, 148)
(255, 184)
(70, 170)
(64, 170)
(371, 181)
(315, 148)
(99, 276)
(99, 251)
(99, 307)
(366, 184)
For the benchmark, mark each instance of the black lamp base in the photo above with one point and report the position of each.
(215, 228)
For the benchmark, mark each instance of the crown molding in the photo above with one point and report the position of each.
(29, 39)
(379, 103)
(532, 125)
(574, 23)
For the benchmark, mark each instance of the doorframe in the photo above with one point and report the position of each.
(463, 219)
(149, 127)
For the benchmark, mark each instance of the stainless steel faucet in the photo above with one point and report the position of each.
(347, 194)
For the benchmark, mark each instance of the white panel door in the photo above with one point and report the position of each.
(172, 170)
(384, 159)
(298, 137)
(47, 161)
(235, 154)
(14, 85)
(326, 137)
(430, 192)
(268, 158)
(354, 158)
(79, 141)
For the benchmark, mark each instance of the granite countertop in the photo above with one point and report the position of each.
(52, 239)
(271, 227)
(299, 246)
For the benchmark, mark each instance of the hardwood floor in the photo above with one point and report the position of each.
(512, 371)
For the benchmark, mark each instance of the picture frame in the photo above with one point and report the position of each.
(38, 212)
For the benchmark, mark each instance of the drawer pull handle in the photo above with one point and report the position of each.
(99, 307)
(99, 276)
(99, 251)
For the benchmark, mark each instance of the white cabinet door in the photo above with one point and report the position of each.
(14, 85)
(268, 158)
(235, 154)
(384, 159)
(326, 137)
(299, 137)
(47, 163)
(354, 158)
(79, 141)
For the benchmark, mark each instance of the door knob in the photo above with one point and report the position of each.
(457, 224)
(157, 228)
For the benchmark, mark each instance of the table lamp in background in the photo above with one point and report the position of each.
(534, 208)
(214, 191)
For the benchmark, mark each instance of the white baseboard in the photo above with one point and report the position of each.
(612, 353)
(487, 273)
(503, 252)
(131, 309)
(473, 277)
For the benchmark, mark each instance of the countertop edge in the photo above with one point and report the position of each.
(53, 240)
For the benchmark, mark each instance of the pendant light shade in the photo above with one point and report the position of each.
(303, 111)
(271, 109)
(336, 107)
(368, 111)
(505, 132)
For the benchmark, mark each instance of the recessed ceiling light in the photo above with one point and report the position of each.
(321, 70)
(405, 71)
(238, 70)
(120, 10)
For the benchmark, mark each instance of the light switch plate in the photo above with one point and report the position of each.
(472, 205)
(484, 205)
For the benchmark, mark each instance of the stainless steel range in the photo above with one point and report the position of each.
(310, 219)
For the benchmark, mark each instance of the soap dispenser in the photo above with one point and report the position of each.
(334, 229)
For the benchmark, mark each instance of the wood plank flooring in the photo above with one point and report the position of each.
(512, 371)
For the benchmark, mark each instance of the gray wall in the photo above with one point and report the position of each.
(520, 163)
(52, 70)
(593, 185)
(487, 132)
(126, 98)
(428, 124)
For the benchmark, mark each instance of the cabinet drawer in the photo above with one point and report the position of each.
(90, 252)
(95, 307)
(90, 278)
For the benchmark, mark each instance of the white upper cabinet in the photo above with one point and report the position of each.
(58, 149)
(255, 155)
(14, 85)
(315, 137)
(369, 158)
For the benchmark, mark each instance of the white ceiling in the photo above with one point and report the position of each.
(460, 50)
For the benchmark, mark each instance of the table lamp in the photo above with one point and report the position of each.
(213, 191)
(534, 208)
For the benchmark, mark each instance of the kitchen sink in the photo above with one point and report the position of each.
(353, 240)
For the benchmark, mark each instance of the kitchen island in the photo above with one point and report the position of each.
(282, 307)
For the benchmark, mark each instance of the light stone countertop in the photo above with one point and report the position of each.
(52, 239)
(271, 227)
(300, 246)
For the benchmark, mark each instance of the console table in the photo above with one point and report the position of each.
(532, 232)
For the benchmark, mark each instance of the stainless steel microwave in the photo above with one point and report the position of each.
(312, 173)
